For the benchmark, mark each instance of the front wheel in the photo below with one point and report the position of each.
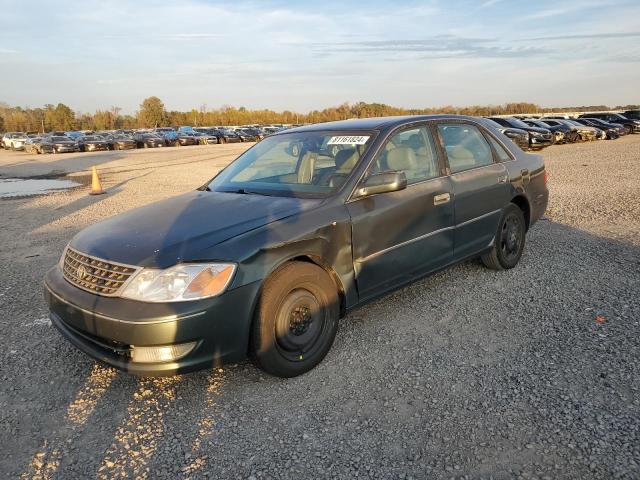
(509, 241)
(296, 320)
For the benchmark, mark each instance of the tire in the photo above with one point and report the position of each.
(509, 240)
(629, 129)
(296, 320)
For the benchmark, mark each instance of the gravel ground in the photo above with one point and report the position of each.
(530, 373)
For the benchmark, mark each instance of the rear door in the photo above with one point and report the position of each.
(480, 185)
(400, 235)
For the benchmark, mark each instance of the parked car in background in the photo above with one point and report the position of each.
(169, 134)
(205, 138)
(285, 246)
(92, 143)
(539, 138)
(562, 133)
(14, 140)
(574, 134)
(516, 135)
(73, 134)
(149, 140)
(125, 132)
(62, 144)
(631, 126)
(38, 145)
(245, 136)
(254, 132)
(632, 114)
(587, 133)
(226, 135)
(120, 141)
(184, 139)
(611, 131)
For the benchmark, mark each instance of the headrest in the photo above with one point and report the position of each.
(401, 158)
(343, 156)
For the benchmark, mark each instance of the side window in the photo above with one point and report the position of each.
(466, 147)
(503, 155)
(412, 152)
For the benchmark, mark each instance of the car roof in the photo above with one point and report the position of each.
(373, 123)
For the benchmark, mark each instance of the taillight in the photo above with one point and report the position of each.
(546, 177)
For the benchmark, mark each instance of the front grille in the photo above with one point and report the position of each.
(95, 275)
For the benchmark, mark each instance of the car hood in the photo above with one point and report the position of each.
(538, 129)
(177, 229)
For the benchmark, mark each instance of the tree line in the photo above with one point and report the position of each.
(152, 113)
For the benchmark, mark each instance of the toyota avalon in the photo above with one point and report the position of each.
(265, 258)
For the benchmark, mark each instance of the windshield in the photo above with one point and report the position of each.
(305, 164)
(518, 123)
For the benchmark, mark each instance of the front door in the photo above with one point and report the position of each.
(398, 236)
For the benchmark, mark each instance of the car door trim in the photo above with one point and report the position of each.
(422, 237)
(480, 217)
(403, 244)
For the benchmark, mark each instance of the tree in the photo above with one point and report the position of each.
(63, 118)
(152, 112)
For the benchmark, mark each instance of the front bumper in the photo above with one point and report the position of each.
(540, 142)
(65, 149)
(91, 147)
(105, 328)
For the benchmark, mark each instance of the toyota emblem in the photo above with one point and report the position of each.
(81, 272)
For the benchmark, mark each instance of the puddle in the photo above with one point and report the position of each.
(23, 187)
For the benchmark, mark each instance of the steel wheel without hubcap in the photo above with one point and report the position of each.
(509, 240)
(296, 320)
(299, 324)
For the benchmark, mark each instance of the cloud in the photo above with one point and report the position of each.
(587, 36)
(445, 46)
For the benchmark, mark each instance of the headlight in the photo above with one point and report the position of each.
(180, 283)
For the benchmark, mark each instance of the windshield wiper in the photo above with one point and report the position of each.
(244, 191)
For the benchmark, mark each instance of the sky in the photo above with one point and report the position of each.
(303, 55)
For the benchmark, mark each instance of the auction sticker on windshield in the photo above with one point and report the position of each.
(348, 140)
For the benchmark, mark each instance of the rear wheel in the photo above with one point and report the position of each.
(509, 241)
(628, 129)
(296, 320)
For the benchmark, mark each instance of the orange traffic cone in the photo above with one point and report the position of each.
(96, 187)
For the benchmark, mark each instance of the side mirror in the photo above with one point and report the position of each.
(382, 183)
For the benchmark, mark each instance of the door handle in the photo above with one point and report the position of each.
(503, 178)
(441, 198)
